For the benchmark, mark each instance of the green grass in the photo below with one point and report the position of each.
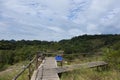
(89, 74)
(11, 71)
(8, 75)
(73, 59)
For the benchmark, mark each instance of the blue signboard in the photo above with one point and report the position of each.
(58, 58)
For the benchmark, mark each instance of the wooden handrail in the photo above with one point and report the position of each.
(16, 77)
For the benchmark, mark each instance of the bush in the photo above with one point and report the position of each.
(112, 57)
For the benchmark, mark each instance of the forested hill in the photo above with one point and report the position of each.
(12, 51)
(84, 43)
(89, 43)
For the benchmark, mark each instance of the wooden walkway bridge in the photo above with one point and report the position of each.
(48, 69)
(45, 70)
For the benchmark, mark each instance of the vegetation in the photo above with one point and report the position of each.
(85, 47)
(11, 71)
(90, 74)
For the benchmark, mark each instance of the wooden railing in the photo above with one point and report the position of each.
(33, 63)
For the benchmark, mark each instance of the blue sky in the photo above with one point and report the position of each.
(57, 19)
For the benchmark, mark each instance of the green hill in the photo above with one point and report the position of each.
(12, 51)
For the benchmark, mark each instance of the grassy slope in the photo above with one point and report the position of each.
(90, 74)
(81, 74)
(11, 71)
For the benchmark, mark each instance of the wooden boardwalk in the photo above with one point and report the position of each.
(45, 70)
(48, 69)
(78, 66)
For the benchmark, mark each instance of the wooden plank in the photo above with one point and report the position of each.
(35, 73)
(46, 71)
(78, 66)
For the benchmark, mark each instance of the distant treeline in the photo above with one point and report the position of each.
(12, 51)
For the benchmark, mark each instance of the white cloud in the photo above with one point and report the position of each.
(92, 27)
(3, 24)
(76, 32)
(110, 16)
(56, 29)
(57, 19)
(3, 27)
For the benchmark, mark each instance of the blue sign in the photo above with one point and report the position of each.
(58, 58)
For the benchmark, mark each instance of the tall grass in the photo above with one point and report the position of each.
(91, 74)
(11, 72)
(8, 74)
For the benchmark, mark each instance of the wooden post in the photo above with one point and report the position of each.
(106, 67)
(36, 60)
(97, 68)
(61, 63)
(29, 73)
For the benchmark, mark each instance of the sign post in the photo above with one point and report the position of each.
(59, 59)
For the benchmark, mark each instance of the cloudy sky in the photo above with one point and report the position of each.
(57, 19)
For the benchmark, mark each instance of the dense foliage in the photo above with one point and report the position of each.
(12, 51)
